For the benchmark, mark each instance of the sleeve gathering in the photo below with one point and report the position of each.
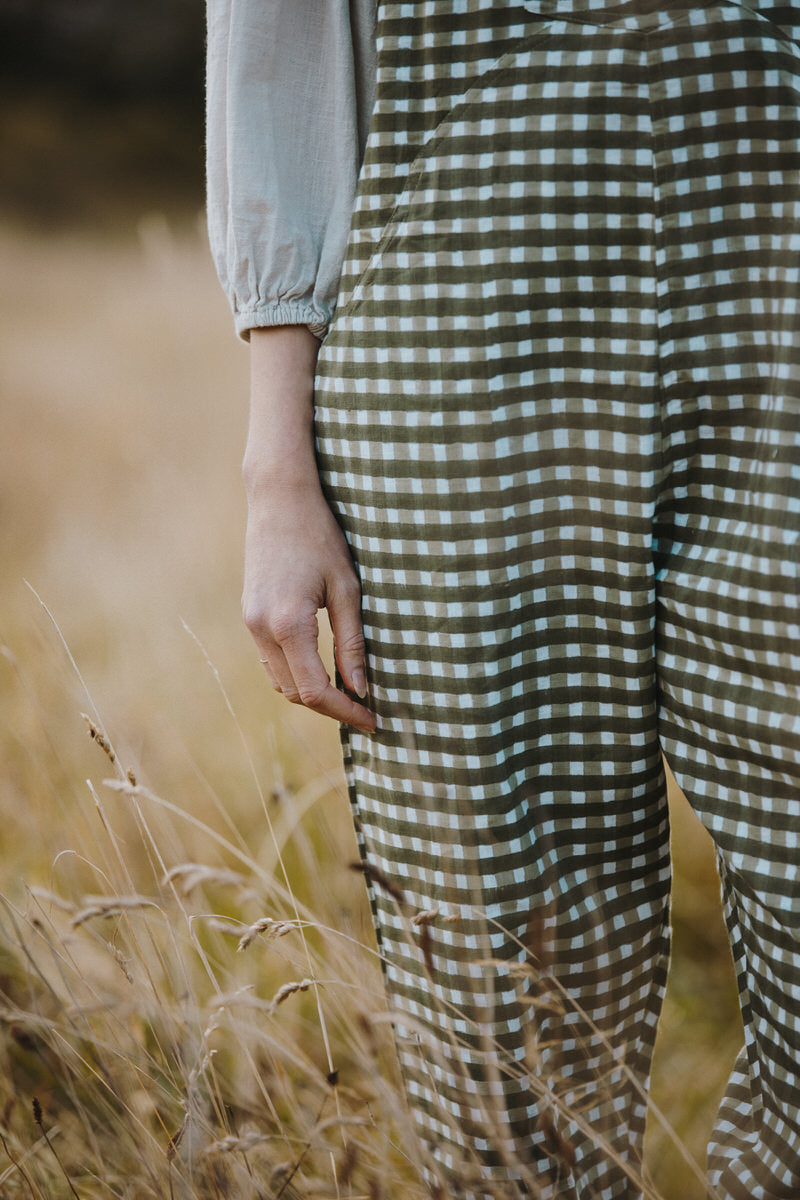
(289, 93)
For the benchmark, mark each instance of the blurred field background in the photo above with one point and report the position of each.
(160, 1058)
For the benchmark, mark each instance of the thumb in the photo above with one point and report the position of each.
(344, 611)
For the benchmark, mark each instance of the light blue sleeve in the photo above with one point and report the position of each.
(290, 85)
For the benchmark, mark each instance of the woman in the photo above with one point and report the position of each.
(555, 422)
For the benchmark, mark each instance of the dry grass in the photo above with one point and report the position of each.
(185, 959)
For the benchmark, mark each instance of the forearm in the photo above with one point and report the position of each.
(280, 441)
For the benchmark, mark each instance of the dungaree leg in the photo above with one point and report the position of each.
(729, 544)
(489, 422)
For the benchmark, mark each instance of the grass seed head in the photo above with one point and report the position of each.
(536, 939)
(426, 946)
(425, 916)
(192, 875)
(24, 1039)
(289, 989)
(556, 1145)
(110, 906)
(267, 925)
(98, 736)
(375, 875)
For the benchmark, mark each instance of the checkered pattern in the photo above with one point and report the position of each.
(559, 419)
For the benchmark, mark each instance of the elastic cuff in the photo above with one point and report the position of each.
(281, 313)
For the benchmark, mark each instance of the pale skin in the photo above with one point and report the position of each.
(297, 560)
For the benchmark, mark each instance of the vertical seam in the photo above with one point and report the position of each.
(659, 261)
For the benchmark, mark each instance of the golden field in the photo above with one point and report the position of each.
(190, 811)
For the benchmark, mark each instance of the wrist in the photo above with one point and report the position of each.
(266, 475)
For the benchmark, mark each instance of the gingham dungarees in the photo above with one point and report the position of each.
(558, 416)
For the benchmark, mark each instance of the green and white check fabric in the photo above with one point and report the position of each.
(558, 416)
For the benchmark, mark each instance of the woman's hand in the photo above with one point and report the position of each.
(296, 562)
(296, 557)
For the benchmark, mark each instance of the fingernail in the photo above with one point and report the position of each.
(359, 683)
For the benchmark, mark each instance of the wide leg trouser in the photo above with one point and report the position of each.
(558, 415)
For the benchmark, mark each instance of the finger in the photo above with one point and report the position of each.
(315, 691)
(330, 702)
(270, 654)
(274, 668)
(313, 687)
(344, 611)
